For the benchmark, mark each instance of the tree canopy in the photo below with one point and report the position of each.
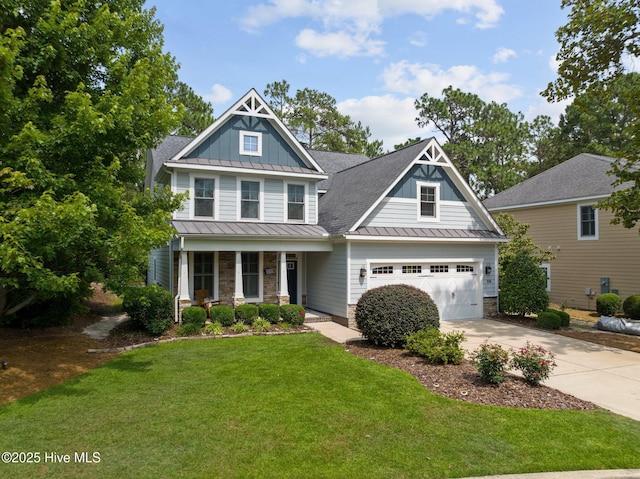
(486, 141)
(597, 46)
(84, 88)
(314, 119)
(197, 114)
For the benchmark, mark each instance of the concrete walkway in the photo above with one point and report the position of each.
(102, 328)
(604, 376)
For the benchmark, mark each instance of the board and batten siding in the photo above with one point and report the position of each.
(361, 252)
(327, 281)
(580, 264)
(403, 213)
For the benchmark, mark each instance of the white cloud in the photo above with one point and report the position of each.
(355, 22)
(389, 118)
(554, 63)
(418, 78)
(503, 54)
(219, 95)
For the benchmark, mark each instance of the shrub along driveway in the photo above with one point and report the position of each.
(290, 406)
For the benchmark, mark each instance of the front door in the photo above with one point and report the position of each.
(292, 280)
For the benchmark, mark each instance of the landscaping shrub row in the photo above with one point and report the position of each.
(609, 304)
(293, 314)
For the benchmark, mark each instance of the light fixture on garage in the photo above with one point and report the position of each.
(487, 270)
(363, 272)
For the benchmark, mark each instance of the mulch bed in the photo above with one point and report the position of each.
(463, 382)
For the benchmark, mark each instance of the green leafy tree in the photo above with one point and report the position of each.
(84, 88)
(544, 147)
(409, 142)
(315, 120)
(486, 141)
(596, 44)
(518, 243)
(523, 287)
(197, 114)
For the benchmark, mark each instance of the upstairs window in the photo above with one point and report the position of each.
(250, 200)
(250, 143)
(587, 222)
(295, 202)
(428, 205)
(203, 189)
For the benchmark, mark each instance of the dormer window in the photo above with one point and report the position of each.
(250, 143)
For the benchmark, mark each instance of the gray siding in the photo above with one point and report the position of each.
(361, 252)
(159, 264)
(327, 281)
(182, 186)
(273, 201)
(227, 199)
(404, 213)
(224, 143)
(312, 196)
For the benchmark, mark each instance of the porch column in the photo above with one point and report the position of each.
(283, 294)
(184, 300)
(238, 295)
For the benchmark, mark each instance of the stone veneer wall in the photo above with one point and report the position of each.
(227, 277)
(490, 306)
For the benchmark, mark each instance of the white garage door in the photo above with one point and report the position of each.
(455, 287)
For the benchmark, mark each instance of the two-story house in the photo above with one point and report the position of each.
(269, 221)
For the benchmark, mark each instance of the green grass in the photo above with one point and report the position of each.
(291, 406)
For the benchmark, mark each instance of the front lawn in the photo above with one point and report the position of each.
(294, 406)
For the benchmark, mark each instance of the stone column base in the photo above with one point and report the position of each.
(238, 301)
(283, 299)
(490, 306)
(182, 304)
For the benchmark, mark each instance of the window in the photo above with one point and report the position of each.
(203, 192)
(251, 275)
(382, 270)
(587, 222)
(203, 272)
(250, 143)
(439, 268)
(464, 268)
(295, 202)
(250, 199)
(546, 268)
(411, 269)
(428, 196)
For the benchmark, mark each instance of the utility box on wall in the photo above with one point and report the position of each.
(604, 285)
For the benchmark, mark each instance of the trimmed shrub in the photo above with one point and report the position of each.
(491, 361)
(631, 307)
(261, 325)
(608, 304)
(388, 314)
(523, 287)
(549, 320)
(150, 307)
(222, 314)
(565, 319)
(292, 314)
(435, 347)
(247, 313)
(270, 312)
(188, 329)
(214, 329)
(194, 315)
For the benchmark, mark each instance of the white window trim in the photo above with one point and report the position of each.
(547, 268)
(260, 199)
(257, 134)
(216, 277)
(305, 220)
(579, 221)
(192, 195)
(419, 186)
(259, 298)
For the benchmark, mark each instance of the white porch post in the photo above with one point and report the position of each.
(283, 294)
(184, 300)
(238, 295)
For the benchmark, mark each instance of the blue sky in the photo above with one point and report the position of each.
(374, 57)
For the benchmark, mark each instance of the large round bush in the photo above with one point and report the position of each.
(150, 307)
(631, 307)
(194, 315)
(608, 304)
(388, 314)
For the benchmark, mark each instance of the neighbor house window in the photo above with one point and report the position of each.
(250, 143)
(203, 192)
(546, 268)
(428, 207)
(295, 202)
(251, 275)
(203, 272)
(587, 222)
(250, 200)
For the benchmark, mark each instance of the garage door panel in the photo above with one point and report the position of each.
(457, 294)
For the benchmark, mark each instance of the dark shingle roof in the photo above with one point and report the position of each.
(166, 150)
(583, 176)
(354, 190)
(237, 228)
(332, 162)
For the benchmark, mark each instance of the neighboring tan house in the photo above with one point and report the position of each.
(592, 255)
(269, 221)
